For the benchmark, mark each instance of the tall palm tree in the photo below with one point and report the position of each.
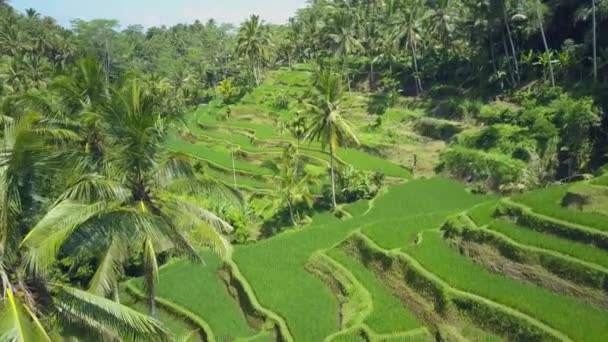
(254, 42)
(129, 205)
(293, 183)
(539, 16)
(408, 36)
(35, 308)
(594, 28)
(327, 124)
(342, 36)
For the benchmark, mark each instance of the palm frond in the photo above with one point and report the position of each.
(110, 269)
(150, 270)
(18, 323)
(52, 231)
(98, 312)
(92, 188)
(200, 224)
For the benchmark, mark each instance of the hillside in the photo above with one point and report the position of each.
(425, 258)
(386, 170)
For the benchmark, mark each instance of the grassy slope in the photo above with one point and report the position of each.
(388, 315)
(415, 207)
(575, 319)
(198, 289)
(548, 202)
(275, 267)
(482, 215)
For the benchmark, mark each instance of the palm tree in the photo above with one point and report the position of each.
(594, 15)
(327, 124)
(35, 308)
(407, 35)
(541, 26)
(254, 42)
(342, 38)
(503, 6)
(131, 204)
(293, 184)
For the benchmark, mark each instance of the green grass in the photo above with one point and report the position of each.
(388, 315)
(548, 202)
(363, 161)
(198, 289)
(482, 215)
(228, 178)
(414, 207)
(275, 267)
(575, 319)
(275, 270)
(217, 155)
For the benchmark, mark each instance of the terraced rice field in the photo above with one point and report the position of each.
(386, 273)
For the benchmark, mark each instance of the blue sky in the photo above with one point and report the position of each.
(162, 12)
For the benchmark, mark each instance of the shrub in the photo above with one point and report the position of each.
(498, 112)
(281, 101)
(442, 91)
(353, 185)
(577, 119)
(504, 138)
(470, 164)
(437, 128)
(227, 91)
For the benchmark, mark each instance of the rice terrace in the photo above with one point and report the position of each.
(391, 170)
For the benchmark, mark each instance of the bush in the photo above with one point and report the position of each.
(353, 185)
(503, 138)
(577, 119)
(475, 165)
(281, 101)
(437, 128)
(227, 91)
(457, 108)
(498, 112)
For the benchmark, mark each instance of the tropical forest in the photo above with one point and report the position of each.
(367, 170)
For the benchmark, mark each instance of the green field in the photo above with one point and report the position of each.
(561, 313)
(403, 218)
(388, 315)
(548, 202)
(204, 294)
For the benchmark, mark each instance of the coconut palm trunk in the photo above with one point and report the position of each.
(419, 89)
(593, 10)
(542, 31)
(333, 178)
(510, 36)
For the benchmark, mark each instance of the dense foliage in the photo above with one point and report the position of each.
(92, 192)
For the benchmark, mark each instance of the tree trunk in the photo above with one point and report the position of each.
(371, 75)
(333, 179)
(345, 73)
(419, 89)
(508, 28)
(593, 8)
(512, 71)
(492, 54)
(233, 163)
(291, 215)
(542, 31)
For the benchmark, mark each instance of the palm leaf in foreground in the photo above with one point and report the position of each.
(95, 311)
(18, 323)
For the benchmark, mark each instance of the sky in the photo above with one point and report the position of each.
(162, 12)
